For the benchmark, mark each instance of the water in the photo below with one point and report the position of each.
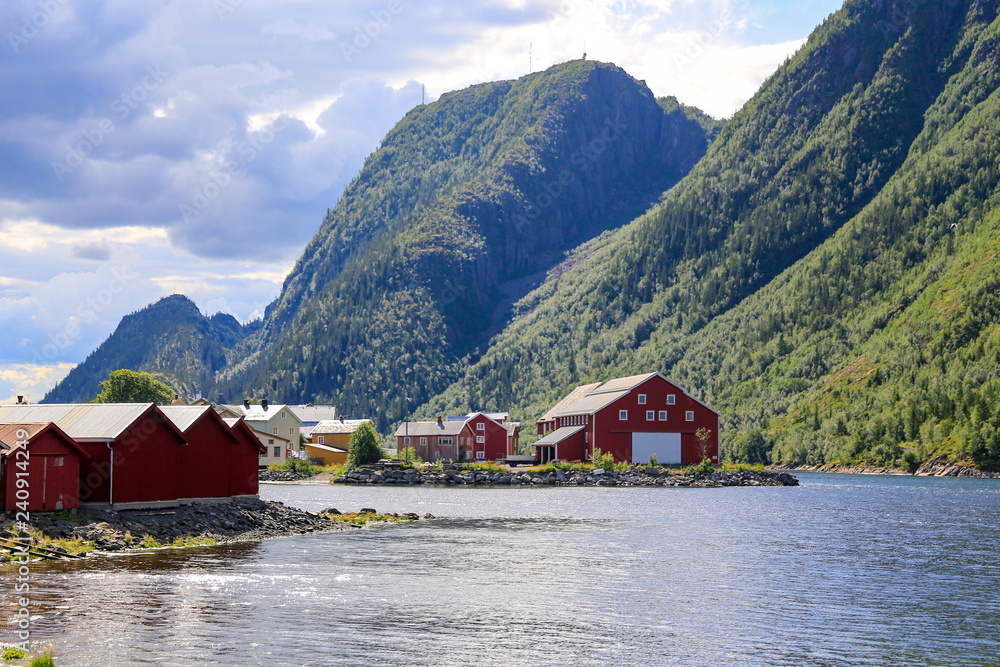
(844, 570)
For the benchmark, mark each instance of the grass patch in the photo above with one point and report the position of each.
(359, 519)
(299, 466)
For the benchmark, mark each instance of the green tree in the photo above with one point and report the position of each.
(704, 436)
(364, 447)
(125, 386)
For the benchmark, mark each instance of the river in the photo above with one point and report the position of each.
(842, 570)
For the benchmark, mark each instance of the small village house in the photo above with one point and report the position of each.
(243, 475)
(279, 424)
(330, 439)
(633, 418)
(478, 436)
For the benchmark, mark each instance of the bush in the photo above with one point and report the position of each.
(604, 460)
(303, 467)
(44, 661)
(409, 454)
(11, 653)
(364, 447)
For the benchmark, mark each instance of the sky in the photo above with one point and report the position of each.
(194, 146)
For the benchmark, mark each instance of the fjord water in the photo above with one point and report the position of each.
(843, 570)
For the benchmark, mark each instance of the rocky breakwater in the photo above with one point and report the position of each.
(191, 525)
(633, 476)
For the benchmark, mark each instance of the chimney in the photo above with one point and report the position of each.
(246, 403)
(439, 420)
(20, 400)
(263, 404)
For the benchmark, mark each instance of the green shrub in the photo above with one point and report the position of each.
(604, 460)
(44, 661)
(11, 653)
(297, 465)
(364, 447)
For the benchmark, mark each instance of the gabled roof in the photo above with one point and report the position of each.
(512, 427)
(184, 416)
(328, 448)
(9, 435)
(430, 428)
(234, 424)
(257, 413)
(85, 421)
(333, 426)
(313, 413)
(590, 398)
(558, 435)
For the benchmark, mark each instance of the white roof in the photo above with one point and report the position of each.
(331, 426)
(184, 416)
(430, 428)
(257, 413)
(328, 448)
(314, 413)
(590, 398)
(84, 421)
(558, 435)
(570, 399)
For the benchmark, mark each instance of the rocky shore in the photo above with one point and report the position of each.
(939, 467)
(243, 519)
(634, 476)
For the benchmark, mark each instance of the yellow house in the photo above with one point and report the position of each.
(330, 439)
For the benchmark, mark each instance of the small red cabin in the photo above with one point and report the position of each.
(205, 462)
(246, 452)
(39, 468)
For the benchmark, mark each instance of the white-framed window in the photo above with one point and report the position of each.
(274, 430)
(642, 399)
(480, 426)
(277, 452)
(321, 440)
(663, 415)
(406, 441)
(270, 441)
(283, 414)
(423, 440)
(623, 415)
(480, 439)
(650, 415)
(291, 430)
(445, 441)
(671, 399)
(689, 416)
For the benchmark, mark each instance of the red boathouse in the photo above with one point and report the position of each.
(39, 468)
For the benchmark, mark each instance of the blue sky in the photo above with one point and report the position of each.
(193, 146)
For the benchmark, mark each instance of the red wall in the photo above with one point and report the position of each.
(245, 456)
(145, 464)
(494, 434)
(204, 464)
(614, 435)
(47, 483)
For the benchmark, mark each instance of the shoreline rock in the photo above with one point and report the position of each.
(939, 467)
(635, 476)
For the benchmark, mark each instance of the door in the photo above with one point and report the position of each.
(666, 447)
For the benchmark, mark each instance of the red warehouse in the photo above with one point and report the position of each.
(133, 450)
(243, 475)
(39, 468)
(479, 436)
(206, 461)
(492, 437)
(634, 418)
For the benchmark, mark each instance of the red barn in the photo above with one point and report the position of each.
(133, 450)
(47, 463)
(246, 452)
(491, 440)
(634, 418)
(205, 463)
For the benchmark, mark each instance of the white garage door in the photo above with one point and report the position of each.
(665, 446)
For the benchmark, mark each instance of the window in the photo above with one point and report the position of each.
(671, 399)
(274, 430)
(663, 415)
(406, 441)
(270, 441)
(291, 430)
(445, 441)
(423, 440)
(480, 439)
(650, 415)
(623, 415)
(57, 461)
(642, 399)
(689, 415)
(283, 414)
(277, 452)
(321, 440)
(480, 426)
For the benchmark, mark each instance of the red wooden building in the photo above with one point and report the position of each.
(243, 474)
(479, 436)
(205, 463)
(434, 441)
(39, 468)
(634, 418)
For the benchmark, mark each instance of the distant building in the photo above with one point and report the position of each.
(633, 418)
(477, 436)
(278, 424)
(330, 438)
(311, 415)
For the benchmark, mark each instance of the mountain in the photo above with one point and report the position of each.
(170, 339)
(826, 276)
(463, 209)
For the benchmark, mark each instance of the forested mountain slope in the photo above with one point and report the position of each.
(825, 276)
